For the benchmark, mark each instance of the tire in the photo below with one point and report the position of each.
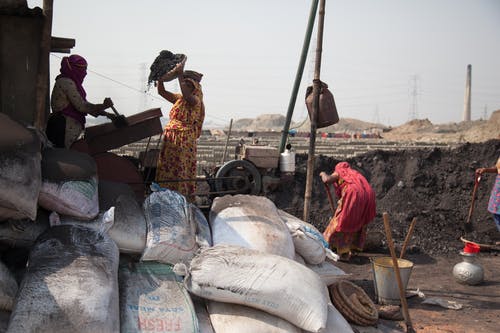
(250, 181)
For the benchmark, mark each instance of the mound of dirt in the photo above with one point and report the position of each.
(422, 130)
(265, 122)
(433, 185)
(348, 125)
(466, 131)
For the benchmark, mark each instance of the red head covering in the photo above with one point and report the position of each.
(74, 67)
(346, 173)
(358, 206)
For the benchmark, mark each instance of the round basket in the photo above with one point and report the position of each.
(353, 303)
(165, 63)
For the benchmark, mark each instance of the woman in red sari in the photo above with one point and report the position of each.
(346, 231)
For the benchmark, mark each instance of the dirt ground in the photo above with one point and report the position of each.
(433, 276)
(435, 187)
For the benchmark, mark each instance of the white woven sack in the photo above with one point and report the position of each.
(226, 317)
(271, 283)
(203, 233)
(102, 223)
(129, 229)
(252, 222)
(153, 299)
(336, 322)
(306, 239)
(70, 284)
(205, 325)
(8, 288)
(20, 182)
(298, 258)
(73, 198)
(170, 229)
(328, 272)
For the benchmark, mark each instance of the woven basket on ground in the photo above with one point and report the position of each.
(353, 303)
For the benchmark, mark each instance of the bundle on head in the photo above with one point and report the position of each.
(163, 63)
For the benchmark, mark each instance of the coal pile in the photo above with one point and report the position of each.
(163, 63)
(434, 185)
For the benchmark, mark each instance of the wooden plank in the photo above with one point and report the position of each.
(54, 50)
(98, 130)
(58, 43)
(105, 137)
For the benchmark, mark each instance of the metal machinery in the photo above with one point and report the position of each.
(100, 139)
(253, 169)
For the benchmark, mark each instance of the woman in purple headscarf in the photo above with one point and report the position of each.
(69, 103)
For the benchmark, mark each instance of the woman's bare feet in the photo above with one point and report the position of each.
(345, 256)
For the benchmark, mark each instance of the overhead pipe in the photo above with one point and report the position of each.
(298, 76)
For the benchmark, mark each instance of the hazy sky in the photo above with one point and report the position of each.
(384, 60)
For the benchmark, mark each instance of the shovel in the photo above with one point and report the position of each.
(468, 224)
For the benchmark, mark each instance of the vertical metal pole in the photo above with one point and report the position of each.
(298, 76)
(227, 141)
(42, 79)
(315, 107)
(466, 116)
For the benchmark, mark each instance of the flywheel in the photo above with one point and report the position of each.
(239, 177)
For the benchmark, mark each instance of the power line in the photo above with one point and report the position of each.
(142, 82)
(117, 82)
(144, 93)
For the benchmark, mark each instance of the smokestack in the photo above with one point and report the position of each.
(467, 94)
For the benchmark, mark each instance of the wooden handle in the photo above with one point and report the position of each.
(476, 185)
(114, 110)
(402, 293)
(330, 200)
(407, 239)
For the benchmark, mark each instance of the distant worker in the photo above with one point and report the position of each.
(69, 104)
(346, 231)
(177, 159)
(494, 203)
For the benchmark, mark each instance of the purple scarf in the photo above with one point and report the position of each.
(74, 67)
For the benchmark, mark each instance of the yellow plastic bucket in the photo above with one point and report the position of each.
(384, 279)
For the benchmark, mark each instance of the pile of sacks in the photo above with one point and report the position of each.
(100, 261)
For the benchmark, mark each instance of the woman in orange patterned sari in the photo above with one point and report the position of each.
(346, 231)
(177, 159)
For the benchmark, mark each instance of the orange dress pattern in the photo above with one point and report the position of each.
(177, 159)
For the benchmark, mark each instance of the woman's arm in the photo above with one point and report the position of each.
(98, 109)
(80, 104)
(169, 76)
(187, 87)
(171, 97)
(487, 170)
(187, 90)
(329, 178)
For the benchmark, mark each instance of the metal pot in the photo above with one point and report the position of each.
(469, 271)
